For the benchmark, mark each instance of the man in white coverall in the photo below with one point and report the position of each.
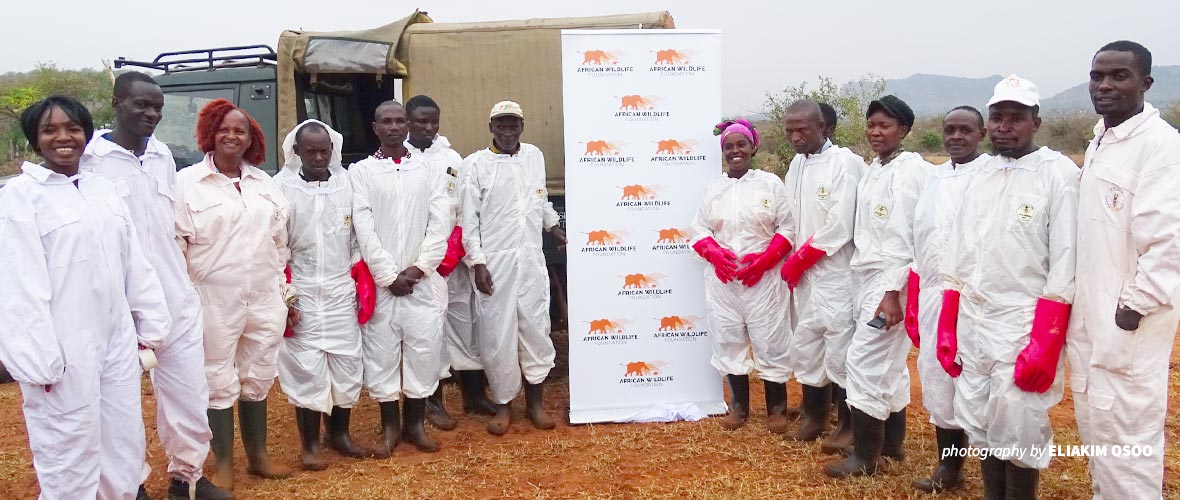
(1122, 330)
(144, 174)
(822, 180)
(78, 295)
(1008, 281)
(878, 377)
(402, 214)
(934, 216)
(320, 362)
(505, 207)
(461, 350)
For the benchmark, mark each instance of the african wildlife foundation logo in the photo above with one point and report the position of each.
(643, 286)
(645, 374)
(601, 152)
(606, 243)
(676, 152)
(675, 62)
(609, 331)
(640, 108)
(641, 198)
(675, 328)
(672, 241)
(599, 63)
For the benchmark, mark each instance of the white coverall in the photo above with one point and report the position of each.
(146, 184)
(1129, 226)
(1012, 243)
(742, 215)
(236, 248)
(934, 217)
(823, 187)
(402, 215)
(505, 208)
(78, 295)
(320, 364)
(878, 377)
(462, 351)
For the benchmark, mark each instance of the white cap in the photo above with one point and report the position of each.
(505, 108)
(1016, 89)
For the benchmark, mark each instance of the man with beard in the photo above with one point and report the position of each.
(144, 174)
(1122, 332)
(1008, 282)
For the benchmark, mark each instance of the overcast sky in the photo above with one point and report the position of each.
(769, 44)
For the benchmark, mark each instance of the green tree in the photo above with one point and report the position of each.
(18, 90)
(850, 101)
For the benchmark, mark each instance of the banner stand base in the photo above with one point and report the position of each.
(654, 413)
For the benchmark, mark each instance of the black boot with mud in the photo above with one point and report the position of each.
(221, 424)
(414, 430)
(475, 399)
(840, 439)
(776, 406)
(739, 402)
(339, 436)
(817, 406)
(952, 444)
(499, 424)
(308, 422)
(391, 428)
(204, 490)
(891, 447)
(252, 416)
(995, 477)
(534, 395)
(866, 448)
(1020, 483)
(436, 411)
(142, 494)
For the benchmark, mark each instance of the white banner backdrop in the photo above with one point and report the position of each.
(640, 106)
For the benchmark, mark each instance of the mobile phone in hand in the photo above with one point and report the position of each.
(878, 322)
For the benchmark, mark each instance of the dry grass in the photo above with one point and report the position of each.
(696, 460)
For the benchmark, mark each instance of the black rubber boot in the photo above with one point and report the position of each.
(949, 474)
(414, 432)
(776, 406)
(221, 424)
(894, 436)
(840, 439)
(994, 478)
(868, 435)
(436, 411)
(534, 395)
(391, 428)
(475, 400)
(739, 404)
(339, 437)
(205, 490)
(308, 422)
(142, 494)
(1020, 483)
(252, 415)
(817, 405)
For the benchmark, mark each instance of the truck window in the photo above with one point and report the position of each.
(178, 126)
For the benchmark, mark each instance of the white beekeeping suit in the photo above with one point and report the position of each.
(1129, 230)
(78, 295)
(147, 183)
(934, 218)
(402, 215)
(823, 186)
(505, 208)
(878, 378)
(320, 364)
(750, 325)
(1012, 244)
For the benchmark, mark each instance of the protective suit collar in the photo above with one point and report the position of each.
(46, 176)
(292, 160)
(1132, 126)
(1029, 162)
(949, 169)
(440, 143)
(104, 147)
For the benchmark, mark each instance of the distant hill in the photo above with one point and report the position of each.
(1165, 89)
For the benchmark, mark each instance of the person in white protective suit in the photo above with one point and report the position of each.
(231, 225)
(144, 174)
(1008, 281)
(822, 180)
(746, 213)
(1125, 316)
(935, 214)
(402, 213)
(461, 351)
(505, 206)
(319, 362)
(878, 377)
(78, 295)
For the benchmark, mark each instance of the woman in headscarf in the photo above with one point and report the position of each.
(741, 231)
(231, 224)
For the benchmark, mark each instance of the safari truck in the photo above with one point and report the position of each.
(340, 78)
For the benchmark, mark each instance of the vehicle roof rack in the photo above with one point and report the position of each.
(243, 56)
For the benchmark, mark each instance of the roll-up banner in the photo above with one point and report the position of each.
(640, 106)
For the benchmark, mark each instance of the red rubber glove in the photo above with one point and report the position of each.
(288, 332)
(799, 262)
(455, 251)
(758, 263)
(913, 287)
(723, 260)
(366, 292)
(1036, 366)
(948, 333)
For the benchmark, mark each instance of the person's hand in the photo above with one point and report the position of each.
(559, 235)
(292, 318)
(404, 284)
(891, 308)
(483, 279)
(1127, 319)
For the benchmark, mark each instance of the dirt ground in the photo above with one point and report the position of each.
(677, 460)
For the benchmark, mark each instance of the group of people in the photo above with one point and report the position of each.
(218, 279)
(990, 265)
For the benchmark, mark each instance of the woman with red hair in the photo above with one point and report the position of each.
(231, 224)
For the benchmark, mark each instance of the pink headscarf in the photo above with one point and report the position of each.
(739, 126)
